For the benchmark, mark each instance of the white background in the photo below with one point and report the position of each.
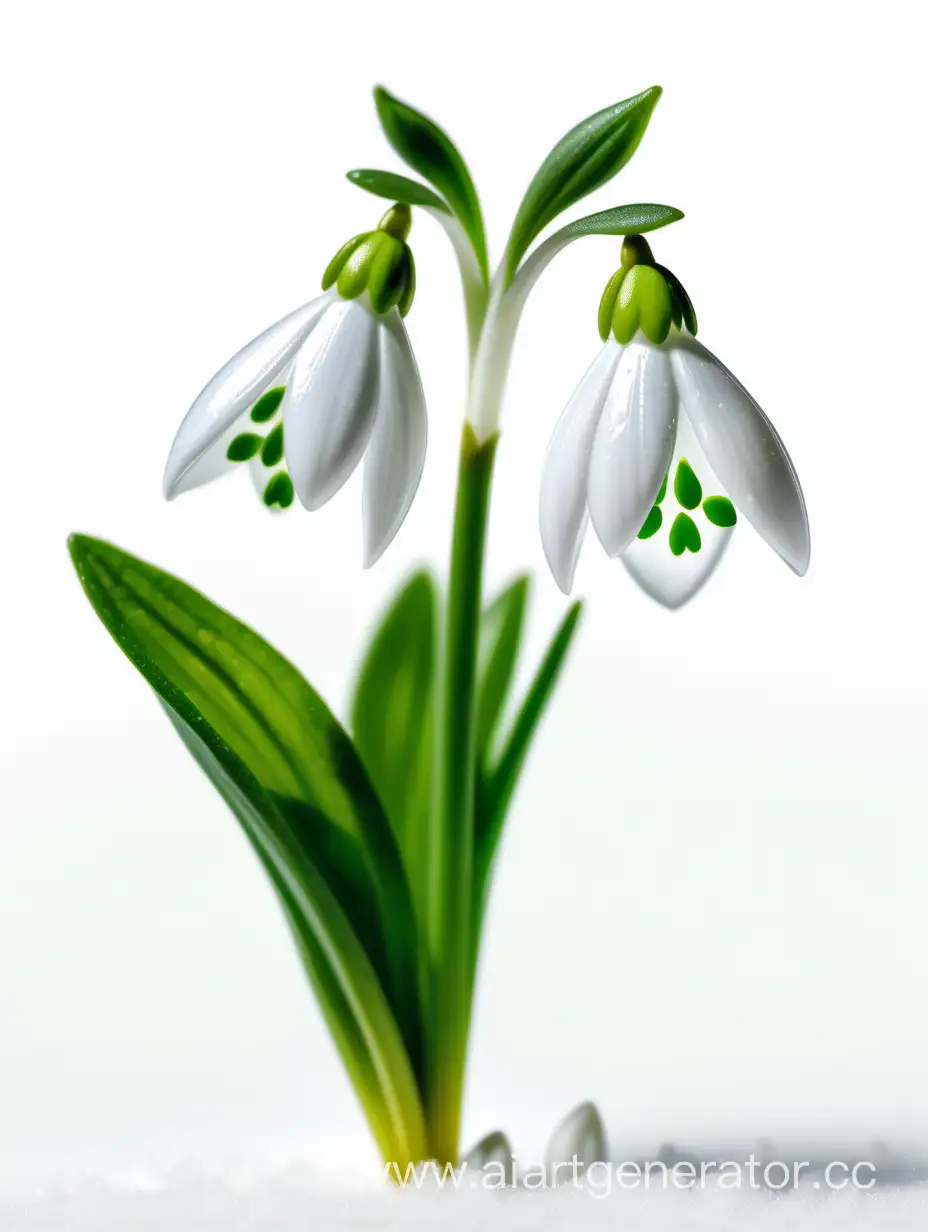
(710, 914)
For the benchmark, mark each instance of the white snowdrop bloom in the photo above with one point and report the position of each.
(661, 448)
(332, 382)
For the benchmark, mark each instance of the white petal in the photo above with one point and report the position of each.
(581, 1133)
(330, 402)
(396, 451)
(563, 512)
(211, 464)
(633, 445)
(674, 580)
(231, 392)
(744, 450)
(492, 1151)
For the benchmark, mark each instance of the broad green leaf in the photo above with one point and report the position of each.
(500, 639)
(397, 188)
(392, 719)
(582, 161)
(349, 994)
(496, 786)
(429, 150)
(264, 724)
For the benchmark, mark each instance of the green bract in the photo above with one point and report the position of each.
(379, 262)
(643, 295)
(585, 159)
(397, 188)
(428, 149)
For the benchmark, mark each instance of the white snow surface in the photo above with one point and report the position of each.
(284, 1202)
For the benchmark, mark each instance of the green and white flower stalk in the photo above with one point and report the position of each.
(656, 402)
(380, 844)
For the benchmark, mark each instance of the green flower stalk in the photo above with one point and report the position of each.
(380, 839)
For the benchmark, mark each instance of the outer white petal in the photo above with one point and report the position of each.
(331, 399)
(633, 445)
(674, 580)
(396, 452)
(744, 450)
(563, 511)
(581, 1134)
(230, 393)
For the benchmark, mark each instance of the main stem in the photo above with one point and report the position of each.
(452, 831)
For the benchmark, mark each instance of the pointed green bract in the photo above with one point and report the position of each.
(720, 511)
(652, 523)
(583, 160)
(395, 187)
(684, 535)
(266, 406)
(244, 446)
(428, 149)
(686, 487)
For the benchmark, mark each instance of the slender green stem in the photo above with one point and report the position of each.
(451, 855)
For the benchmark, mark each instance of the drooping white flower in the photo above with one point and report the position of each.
(660, 445)
(330, 383)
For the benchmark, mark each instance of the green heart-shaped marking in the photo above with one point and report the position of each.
(279, 491)
(684, 535)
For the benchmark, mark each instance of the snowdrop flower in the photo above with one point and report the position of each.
(332, 382)
(661, 448)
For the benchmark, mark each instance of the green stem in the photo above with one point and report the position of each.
(451, 846)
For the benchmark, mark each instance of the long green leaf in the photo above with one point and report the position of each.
(428, 149)
(500, 638)
(392, 720)
(585, 159)
(349, 994)
(496, 787)
(275, 739)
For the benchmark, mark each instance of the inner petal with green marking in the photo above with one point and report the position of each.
(261, 445)
(683, 531)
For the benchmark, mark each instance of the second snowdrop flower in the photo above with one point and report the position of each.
(331, 383)
(661, 447)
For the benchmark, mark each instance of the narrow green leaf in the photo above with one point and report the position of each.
(349, 994)
(497, 786)
(392, 719)
(622, 220)
(264, 724)
(429, 150)
(582, 161)
(397, 188)
(500, 638)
